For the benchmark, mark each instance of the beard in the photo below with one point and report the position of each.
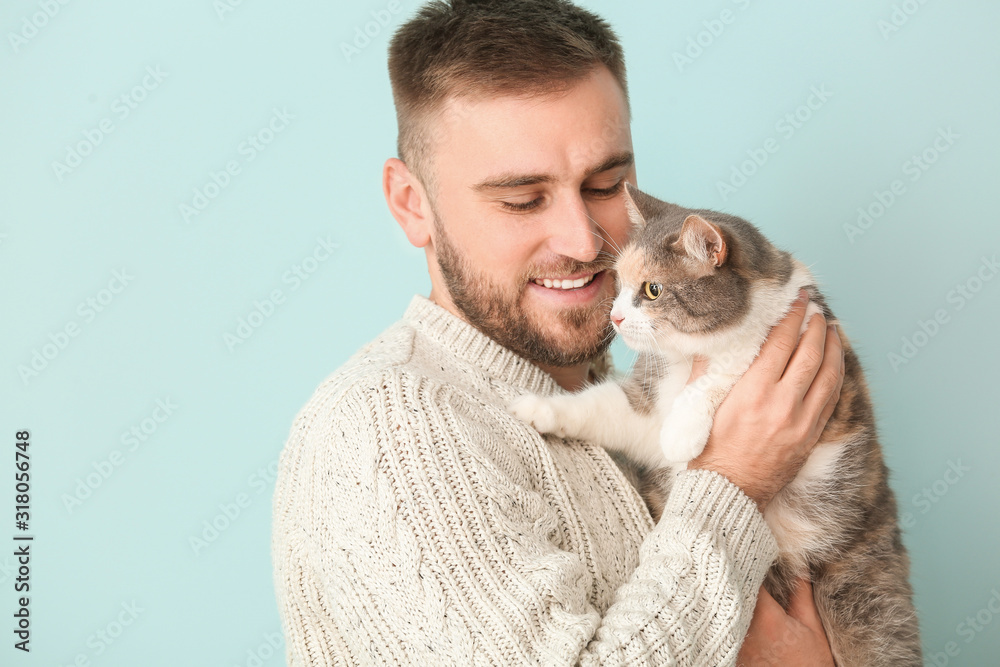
(577, 335)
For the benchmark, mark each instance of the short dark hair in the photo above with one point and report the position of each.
(490, 47)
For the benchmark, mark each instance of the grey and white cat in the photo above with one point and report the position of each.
(699, 282)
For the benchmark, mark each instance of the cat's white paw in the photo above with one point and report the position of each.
(539, 411)
(684, 435)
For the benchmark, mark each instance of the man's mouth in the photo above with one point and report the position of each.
(565, 283)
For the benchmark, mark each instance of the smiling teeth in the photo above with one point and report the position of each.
(564, 284)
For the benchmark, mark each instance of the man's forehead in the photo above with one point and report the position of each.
(586, 127)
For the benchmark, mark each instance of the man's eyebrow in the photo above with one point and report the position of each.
(624, 159)
(511, 180)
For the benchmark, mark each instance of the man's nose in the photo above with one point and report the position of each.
(575, 233)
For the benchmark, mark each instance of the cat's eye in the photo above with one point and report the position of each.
(652, 290)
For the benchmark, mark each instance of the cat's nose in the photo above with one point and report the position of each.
(617, 319)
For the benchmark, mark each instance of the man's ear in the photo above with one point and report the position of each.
(408, 202)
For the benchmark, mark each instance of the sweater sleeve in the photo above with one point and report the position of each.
(396, 542)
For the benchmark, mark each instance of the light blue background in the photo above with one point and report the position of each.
(162, 336)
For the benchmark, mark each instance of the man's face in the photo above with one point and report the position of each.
(527, 202)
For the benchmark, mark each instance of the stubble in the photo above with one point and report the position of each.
(499, 312)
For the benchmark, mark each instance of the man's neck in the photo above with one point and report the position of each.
(570, 378)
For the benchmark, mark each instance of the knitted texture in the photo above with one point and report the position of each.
(417, 523)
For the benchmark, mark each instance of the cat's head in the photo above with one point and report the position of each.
(687, 275)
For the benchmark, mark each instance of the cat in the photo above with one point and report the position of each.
(699, 282)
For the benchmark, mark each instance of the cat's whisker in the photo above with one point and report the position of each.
(656, 331)
(655, 371)
(603, 253)
(610, 335)
(606, 237)
(607, 339)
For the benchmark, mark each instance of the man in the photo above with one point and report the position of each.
(415, 520)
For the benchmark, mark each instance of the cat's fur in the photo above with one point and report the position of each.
(723, 286)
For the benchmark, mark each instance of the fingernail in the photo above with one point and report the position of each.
(803, 296)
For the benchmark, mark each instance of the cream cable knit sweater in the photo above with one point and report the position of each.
(417, 523)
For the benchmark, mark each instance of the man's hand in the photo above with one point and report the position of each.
(767, 426)
(777, 639)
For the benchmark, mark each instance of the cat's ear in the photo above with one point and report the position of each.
(642, 207)
(635, 216)
(703, 241)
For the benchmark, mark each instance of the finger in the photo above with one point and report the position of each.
(768, 622)
(802, 606)
(780, 343)
(767, 611)
(831, 405)
(807, 358)
(823, 394)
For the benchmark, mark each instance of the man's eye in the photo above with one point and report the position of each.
(521, 207)
(607, 192)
